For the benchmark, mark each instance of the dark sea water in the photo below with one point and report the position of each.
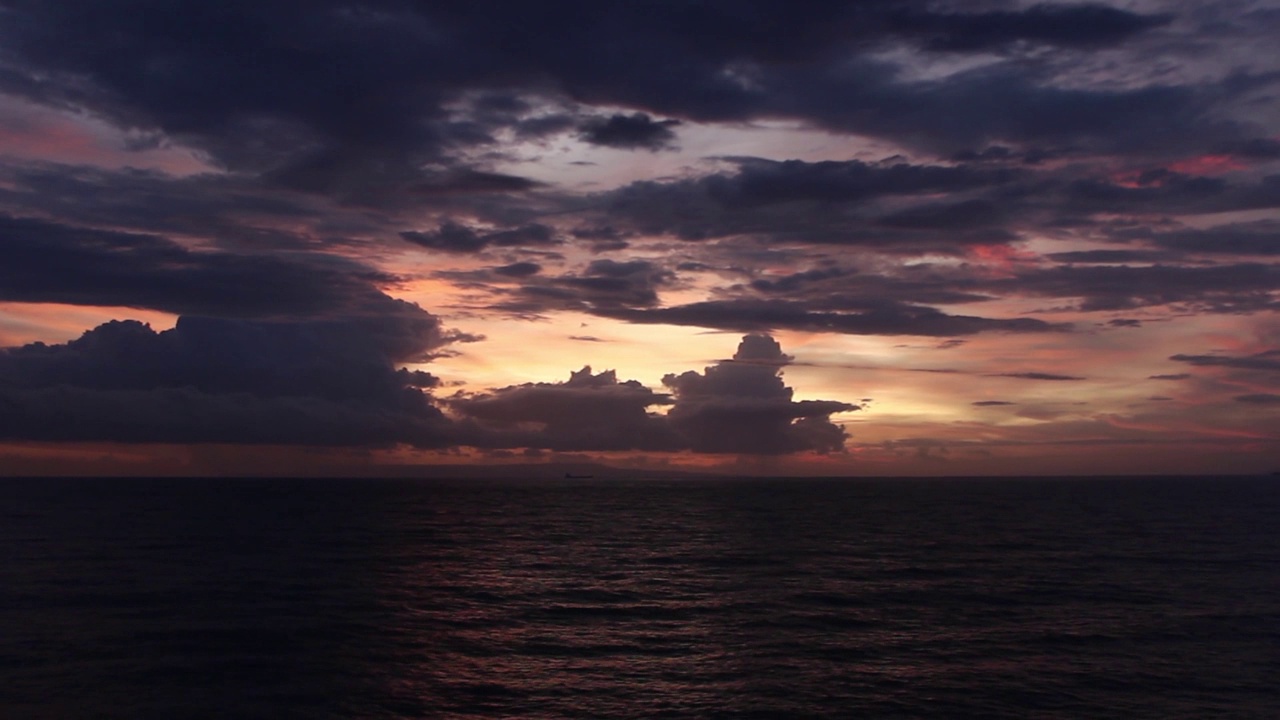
(1032, 598)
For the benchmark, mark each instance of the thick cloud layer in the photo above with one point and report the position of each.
(366, 89)
(322, 382)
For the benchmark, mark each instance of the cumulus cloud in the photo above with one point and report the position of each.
(586, 412)
(311, 382)
(735, 406)
(743, 406)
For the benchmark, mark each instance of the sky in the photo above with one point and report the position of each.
(890, 237)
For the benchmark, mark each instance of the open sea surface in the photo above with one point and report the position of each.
(777, 598)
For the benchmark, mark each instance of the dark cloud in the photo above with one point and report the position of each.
(332, 129)
(967, 214)
(1159, 190)
(764, 182)
(735, 406)
(519, 270)
(453, 237)
(1256, 238)
(795, 281)
(321, 382)
(991, 403)
(1267, 360)
(335, 382)
(1174, 376)
(466, 181)
(763, 315)
(370, 92)
(601, 285)
(42, 261)
(1253, 148)
(1084, 25)
(1239, 287)
(1109, 257)
(830, 202)
(587, 412)
(744, 407)
(630, 132)
(224, 210)
(1037, 376)
(1259, 399)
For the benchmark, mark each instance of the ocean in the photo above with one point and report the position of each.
(725, 598)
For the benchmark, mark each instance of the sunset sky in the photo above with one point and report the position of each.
(868, 238)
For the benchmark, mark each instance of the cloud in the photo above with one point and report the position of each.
(370, 92)
(966, 214)
(227, 211)
(744, 407)
(630, 132)
(453, 237)
(1038, 376)
(466, 181)
(815, 202)
(1228, 288)
(1259, 399)
(587, 412)
(1109, 257)
(1086, 25)
(309, 382)
(519, 269)
(763, 315)
(336, 382)
(766, 182)
(603, 284)
(735, 406)
(43, 261)
(1255, 238)
(915, 157)
(1266, 360)
(991, 403)
(1176, 376)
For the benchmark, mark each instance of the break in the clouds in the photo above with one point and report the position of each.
(398, 225)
